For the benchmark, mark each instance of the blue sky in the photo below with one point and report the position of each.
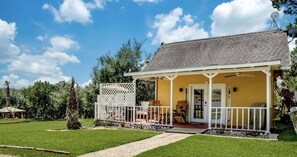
(54, 40)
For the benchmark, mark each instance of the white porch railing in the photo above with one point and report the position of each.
(116, 103)
(239, 118)
(150, 115)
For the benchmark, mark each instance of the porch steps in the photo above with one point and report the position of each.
(186, 130)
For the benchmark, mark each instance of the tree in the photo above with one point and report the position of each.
(38, 100)
(8, 99)
(59, 98)
(111, 69)
(87, 97)
(289, 6)
(72, 113)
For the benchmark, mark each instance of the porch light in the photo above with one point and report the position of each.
(234, 89)
(181, 89)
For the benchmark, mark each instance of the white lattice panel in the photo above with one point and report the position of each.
(112, 99)
(114, 88)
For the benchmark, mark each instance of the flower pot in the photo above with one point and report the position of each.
(293, 115)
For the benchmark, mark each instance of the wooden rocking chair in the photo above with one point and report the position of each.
(181, 111)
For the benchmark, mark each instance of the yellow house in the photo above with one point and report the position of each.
(228, 81)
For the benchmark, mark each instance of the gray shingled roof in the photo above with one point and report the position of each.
(236, 49)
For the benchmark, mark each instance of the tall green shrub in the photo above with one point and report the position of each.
(72, 112)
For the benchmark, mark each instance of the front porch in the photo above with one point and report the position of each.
(205, 91)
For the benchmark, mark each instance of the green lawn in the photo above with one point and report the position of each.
(34, 134)
(224, 147)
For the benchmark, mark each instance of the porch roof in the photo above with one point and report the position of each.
(267, 48)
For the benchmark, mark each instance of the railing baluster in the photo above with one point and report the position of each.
(162, 120)
(254, 118)
(124, 113)
(242, 118)
(260, 120)
(231, 119)
(216, 117)
(248, 122)
(158, 114)
(226, 119)
(221, 119)
(237, 118)
(166, 115)
(147, 114)
(134, 118)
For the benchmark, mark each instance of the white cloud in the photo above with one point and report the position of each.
(86, 83)
(176, 27)
(45, 67)
(42, 38)
(63, 43)
(241, 16)
(140, 2)
(55, 79)
(47, 64)
(149, 34)
(15, 81)
(75, 10)
(99, 4)
(54, 11)
(8, 50)
(70, 10)
(35, 64)
(60, 57)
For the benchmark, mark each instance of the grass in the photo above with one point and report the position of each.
(286, 132)
(225, 147)
(34, 134)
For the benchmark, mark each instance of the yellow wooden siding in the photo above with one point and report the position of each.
(249, 89)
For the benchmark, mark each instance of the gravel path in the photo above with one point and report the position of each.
(134, 148)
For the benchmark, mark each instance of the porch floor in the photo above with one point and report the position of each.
(188, 128)
(191, 125)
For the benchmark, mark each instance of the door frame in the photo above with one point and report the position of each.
(221, 86)
(191, 98)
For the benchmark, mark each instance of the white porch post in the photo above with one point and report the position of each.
(134, 113)
(210, 76)
(171, 78)
(268, 98)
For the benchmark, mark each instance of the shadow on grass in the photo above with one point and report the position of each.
(286, 132)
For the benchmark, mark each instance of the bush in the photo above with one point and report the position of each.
(72, 110)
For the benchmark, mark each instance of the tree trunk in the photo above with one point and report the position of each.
(293, 115)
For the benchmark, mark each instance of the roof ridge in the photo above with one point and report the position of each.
(219, 37)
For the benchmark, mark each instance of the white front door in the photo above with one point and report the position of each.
(199, 102)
